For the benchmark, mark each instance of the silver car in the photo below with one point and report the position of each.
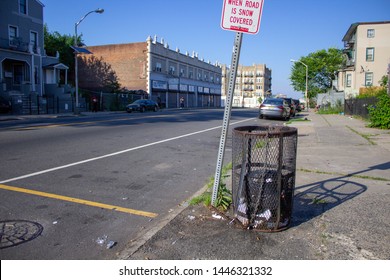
(274, 108)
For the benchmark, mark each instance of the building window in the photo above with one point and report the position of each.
(370, 54)
(368, 79)
(158, 67)
(34, 41)
(172, 70)
(370, 33)
(23, 7)
(13, 35)
(349, 80)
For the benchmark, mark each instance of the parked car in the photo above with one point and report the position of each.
(298, 105)
(142, 105)
(301, 105)
(5, 106)
(274, 108)
(291, 104)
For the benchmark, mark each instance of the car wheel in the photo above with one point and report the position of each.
(261, 117)
(142, 109)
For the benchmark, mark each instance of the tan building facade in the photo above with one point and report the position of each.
(252, 82)
(367, 49)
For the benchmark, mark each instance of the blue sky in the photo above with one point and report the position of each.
(289, 29)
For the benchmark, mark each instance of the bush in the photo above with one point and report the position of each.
(380, 113)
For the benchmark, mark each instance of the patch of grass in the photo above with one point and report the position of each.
(298, 120)
(317, 201)
(204, 198)
(344, 174)
(334, 109)
(365, 136)
(224, 196)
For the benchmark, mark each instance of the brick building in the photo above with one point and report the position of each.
(164, 74)
(125, 63)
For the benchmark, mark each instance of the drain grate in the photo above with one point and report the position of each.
(16, 232)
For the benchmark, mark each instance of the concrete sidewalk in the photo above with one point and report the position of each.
(341, 205)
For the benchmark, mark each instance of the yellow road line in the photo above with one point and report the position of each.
(80, 201)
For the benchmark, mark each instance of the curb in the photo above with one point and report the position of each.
(148, 232)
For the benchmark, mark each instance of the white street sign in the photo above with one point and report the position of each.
(242, 15)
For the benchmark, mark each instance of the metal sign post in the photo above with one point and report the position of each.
(238, 16)
(226, 116)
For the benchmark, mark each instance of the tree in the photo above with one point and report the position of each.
(322, 70)
(62, 43)
(98, 75)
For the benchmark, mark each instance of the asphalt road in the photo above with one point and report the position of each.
(70, 185)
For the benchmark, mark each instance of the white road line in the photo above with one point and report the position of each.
(114, 154)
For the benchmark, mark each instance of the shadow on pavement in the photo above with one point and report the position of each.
(319, 197)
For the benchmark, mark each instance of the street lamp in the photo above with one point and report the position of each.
(99, 11)
(307, 100)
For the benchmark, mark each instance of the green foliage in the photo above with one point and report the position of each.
(380, 113)
(224, 195)
(291, 121)
(62, 43)
(104, 77)
(384, 81)
(101, 73)
(338, 108)
(322, 66)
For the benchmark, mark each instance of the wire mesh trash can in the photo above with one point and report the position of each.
(264, 166)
